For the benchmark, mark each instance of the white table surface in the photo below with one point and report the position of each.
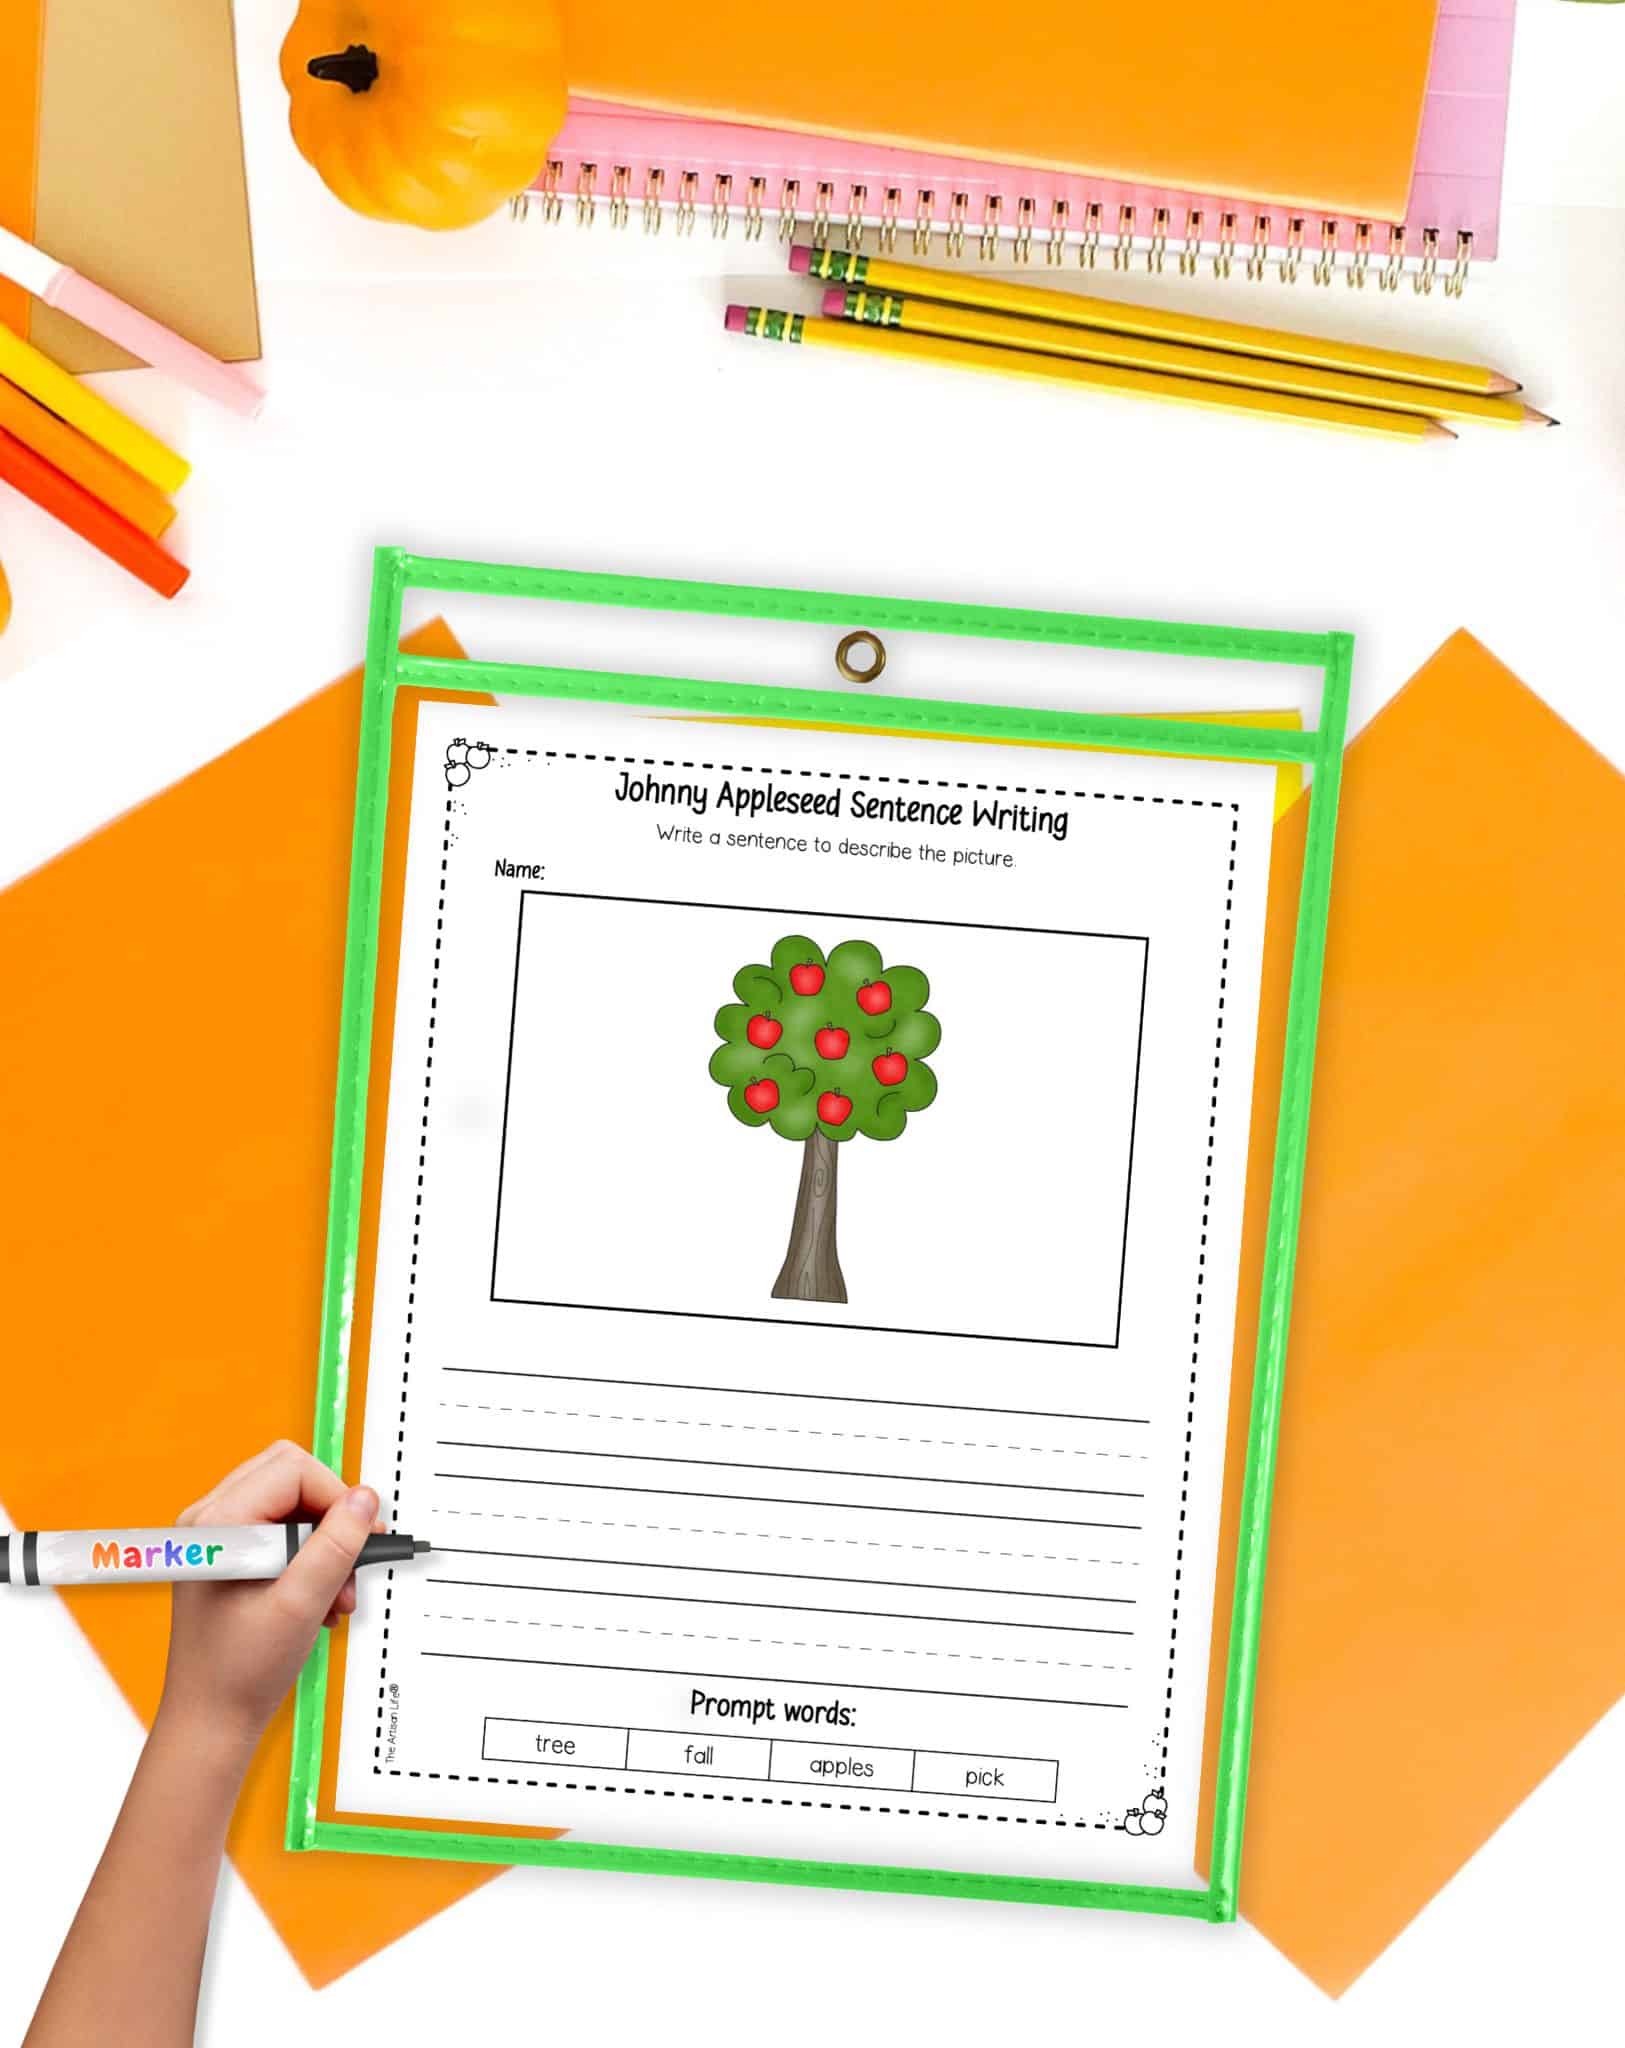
(554, 396)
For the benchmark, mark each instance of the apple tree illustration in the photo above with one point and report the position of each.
(820, 1048)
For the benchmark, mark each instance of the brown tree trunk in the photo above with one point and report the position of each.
(812, 1268)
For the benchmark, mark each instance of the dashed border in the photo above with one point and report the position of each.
(825, 775)
(412, 1275)
(1026, 1820)
(1115, 796)
(1201, 1282)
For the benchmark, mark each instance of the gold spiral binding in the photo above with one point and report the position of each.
(1362, 256)
(890, 207)
(1006, 226)
(1055, 247)
(1326, 261)
(1089, 247)
(957, 209)
(1430, 261)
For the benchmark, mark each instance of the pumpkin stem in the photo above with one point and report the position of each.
(355, 67)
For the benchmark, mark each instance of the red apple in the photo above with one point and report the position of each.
(762, 1096)
(833, 1108)
(807, 978)
(764, 1032)
(890, 1068)
(831, 1043)
(874, 998)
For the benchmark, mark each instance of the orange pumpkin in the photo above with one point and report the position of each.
(432, 112)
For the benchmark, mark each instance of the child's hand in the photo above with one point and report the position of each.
(235, 1649)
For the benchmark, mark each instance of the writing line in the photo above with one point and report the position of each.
(506, 1372)
(775, 1500)
(460, 1443)
(810, 1578)
(1059, 1628)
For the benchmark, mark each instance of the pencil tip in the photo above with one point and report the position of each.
(1500, 385)
(1436, 430)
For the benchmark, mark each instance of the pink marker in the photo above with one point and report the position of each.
(149, 339)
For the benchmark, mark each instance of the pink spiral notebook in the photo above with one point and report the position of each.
(618, 162)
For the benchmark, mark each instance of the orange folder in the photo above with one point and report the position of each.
(1444, 1611)
(1435, 1637)
(1317, 107)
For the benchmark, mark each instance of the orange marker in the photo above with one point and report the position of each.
(103, 475)
(89, 518)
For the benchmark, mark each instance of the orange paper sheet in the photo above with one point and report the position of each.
(166, 1077)
(1444, 1610)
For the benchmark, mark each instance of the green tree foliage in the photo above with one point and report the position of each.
(826, 1030)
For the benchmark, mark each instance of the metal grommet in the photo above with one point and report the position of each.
(843, 657)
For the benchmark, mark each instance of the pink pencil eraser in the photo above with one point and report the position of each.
(835, 301)
(800, 258)
(734, 319)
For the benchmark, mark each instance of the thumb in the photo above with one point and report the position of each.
(327, 1557)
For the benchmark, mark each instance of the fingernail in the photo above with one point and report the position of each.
(362, 1501)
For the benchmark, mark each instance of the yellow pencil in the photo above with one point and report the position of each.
(1136, 352)
(768, 325)
(1157, 323)
(77, 456)
(80, 407)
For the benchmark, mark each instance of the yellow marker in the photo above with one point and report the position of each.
(769, 325)
(77, 456)
(1137, 352)
(1157, 323)
(80, 407)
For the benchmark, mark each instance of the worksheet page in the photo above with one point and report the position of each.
(805, 1289)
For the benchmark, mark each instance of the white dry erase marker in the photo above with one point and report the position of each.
(112, 1557)
(58, 285)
